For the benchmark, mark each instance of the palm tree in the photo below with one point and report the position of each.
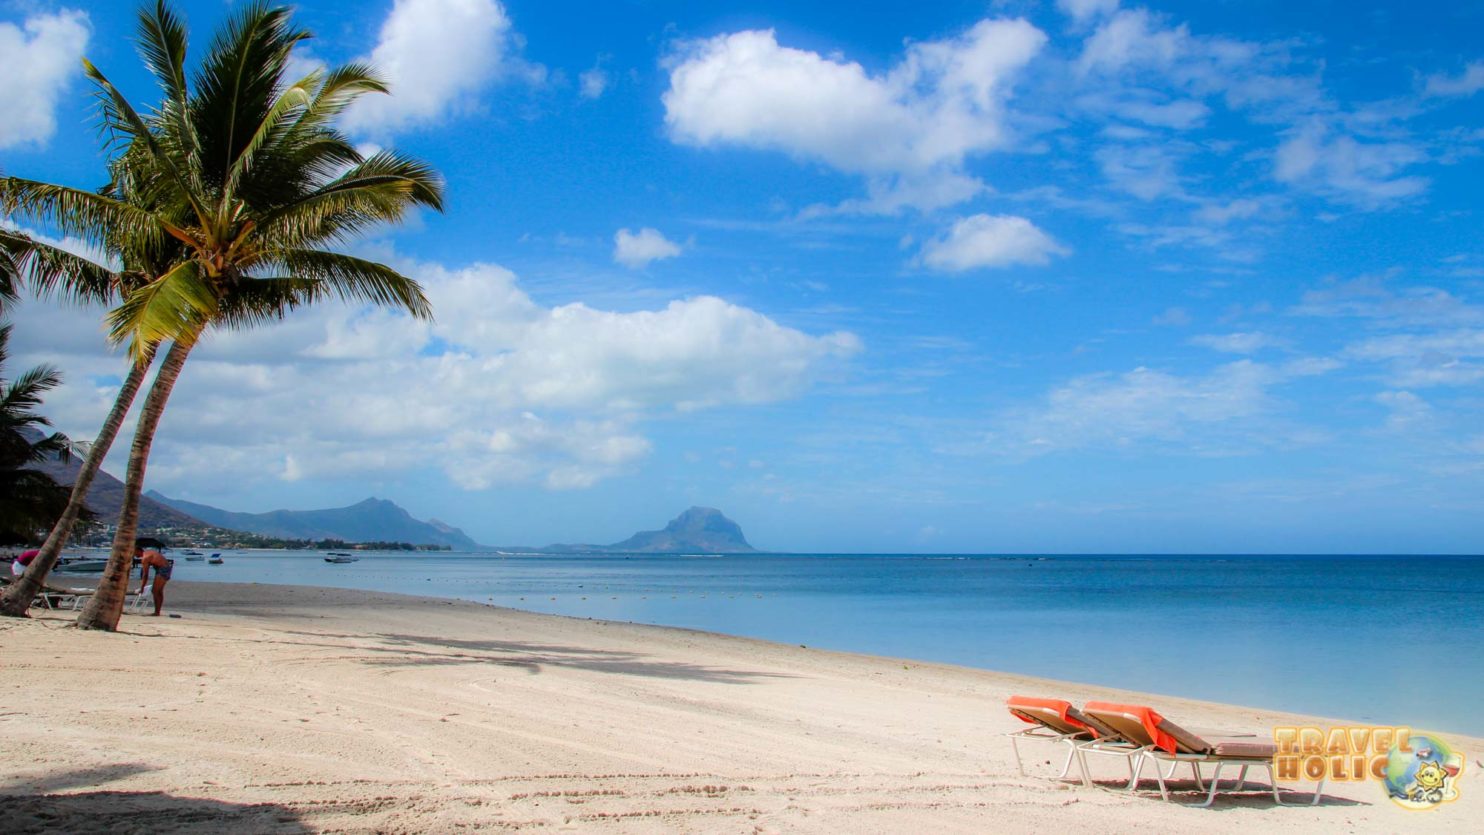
(29, 498)
(48, 270)
(246, 173)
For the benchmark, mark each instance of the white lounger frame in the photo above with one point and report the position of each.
(1155, 755)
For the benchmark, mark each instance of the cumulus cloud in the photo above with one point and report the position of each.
(639, 249)
(905, 130)
(987, 241)
(41, 58)
(498, 390)
(1466, 83)
(437, 55)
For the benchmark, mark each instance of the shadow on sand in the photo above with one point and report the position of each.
(135, 812)
(398, 650)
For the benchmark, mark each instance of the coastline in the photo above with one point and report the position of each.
(296, 708)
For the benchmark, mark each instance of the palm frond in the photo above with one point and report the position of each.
(174, 306)
(275, 121)
(342, 86)
(24, 392)
(48, 270)
(238, 81)
(122, 114)
(90, 216)
(378, 190)
(356, 279)
(163, 44)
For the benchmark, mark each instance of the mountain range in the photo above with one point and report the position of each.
(372, 520)
(106, 496)
(697, 530)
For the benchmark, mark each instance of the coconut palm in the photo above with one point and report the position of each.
(48, 270)
(246, 173)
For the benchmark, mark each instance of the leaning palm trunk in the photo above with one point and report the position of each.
(106, 606)
(18, 597)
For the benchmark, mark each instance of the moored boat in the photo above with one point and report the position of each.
(81, 565)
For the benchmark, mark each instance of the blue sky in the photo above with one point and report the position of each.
(1072, 276)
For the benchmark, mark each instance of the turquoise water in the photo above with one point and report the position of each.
(1390, 640)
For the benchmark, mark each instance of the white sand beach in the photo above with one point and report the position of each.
(295, 709)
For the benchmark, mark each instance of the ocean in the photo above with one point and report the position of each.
(1375, 639)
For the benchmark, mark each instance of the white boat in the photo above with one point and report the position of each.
(341, 558)
(214, 559)
(81, 565)
(194, 558)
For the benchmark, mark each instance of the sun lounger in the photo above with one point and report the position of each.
(1161, 740)
(1058, 722)
(53, 597)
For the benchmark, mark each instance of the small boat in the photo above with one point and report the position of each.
(340, 558)
(194, 556)
(214, 559)
(81, 565)
(191, 553)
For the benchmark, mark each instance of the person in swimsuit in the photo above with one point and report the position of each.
(150, 558)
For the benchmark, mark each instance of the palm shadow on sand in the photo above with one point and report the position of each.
(402, 650)
(30, 806)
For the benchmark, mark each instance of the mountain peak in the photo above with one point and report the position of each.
(696, 529)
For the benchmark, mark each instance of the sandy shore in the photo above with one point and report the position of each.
(292, 709)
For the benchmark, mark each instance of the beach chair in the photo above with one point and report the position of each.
(1058, 722)
(52, 597)
(1162, 741)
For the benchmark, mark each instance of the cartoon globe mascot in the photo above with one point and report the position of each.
(1424, 776)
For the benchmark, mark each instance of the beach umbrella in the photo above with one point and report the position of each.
(26, 556)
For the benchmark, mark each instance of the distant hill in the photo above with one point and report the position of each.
(373, 520)
(698, 530)
(106, 496)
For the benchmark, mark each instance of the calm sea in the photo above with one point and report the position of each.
(1392, 640)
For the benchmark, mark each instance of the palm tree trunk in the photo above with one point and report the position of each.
(106, 606)
(17, 599)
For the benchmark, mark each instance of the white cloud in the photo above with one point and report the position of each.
(1133, 39)
(592, 83)
(437, 55)
(638, 249)
(41, 58)
(1338, 165)
(1406, 410)
(1148, 172)
(982, 241)
(1466, 83)
(498, 390)
(904, 130)
(1441, 358)
(1227, 410)
(1249, 342)
(1082, 10)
